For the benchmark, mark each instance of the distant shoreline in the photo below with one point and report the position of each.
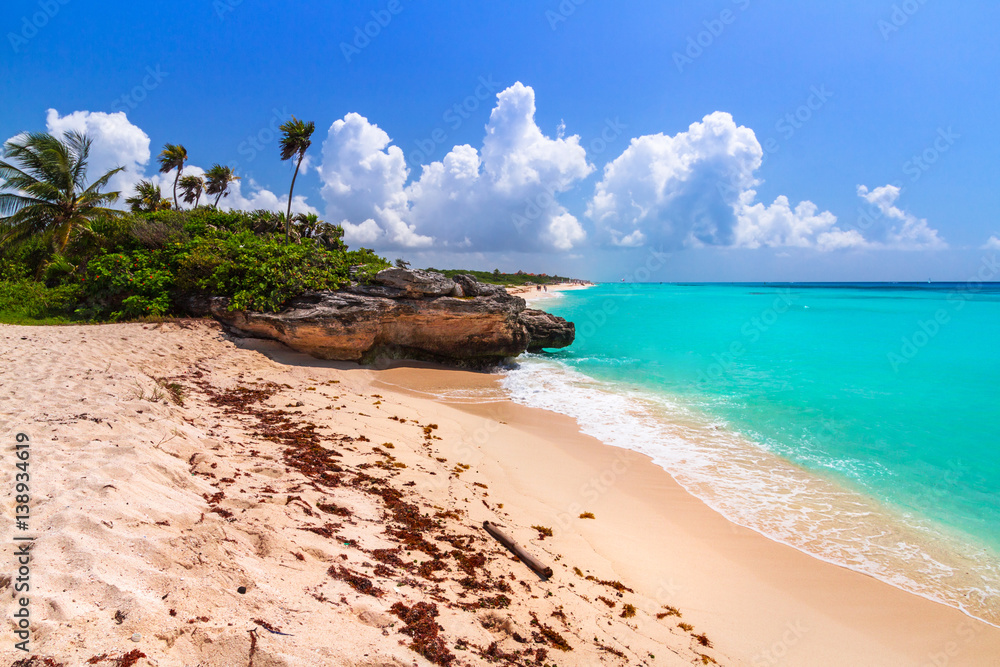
(530, 293)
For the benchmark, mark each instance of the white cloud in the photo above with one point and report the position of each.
(117, 143)
(696, 189)
(680, 189)
(363, 185)
(502, 197)
(992, 243)
(901, 230)
(803, 226)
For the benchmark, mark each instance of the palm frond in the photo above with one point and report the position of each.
(44, 191)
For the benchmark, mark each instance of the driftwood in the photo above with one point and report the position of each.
(536, 566)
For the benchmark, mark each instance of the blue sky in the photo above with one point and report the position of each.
(874, 85)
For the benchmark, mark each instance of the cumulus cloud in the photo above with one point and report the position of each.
(676, 189)
(696, 189)
(363, 185)
(261, 198)
(780, 224)
(896, 228)
(503, 197)
(117, 143)
(992, 243)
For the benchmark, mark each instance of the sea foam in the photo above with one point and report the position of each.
(753, 487)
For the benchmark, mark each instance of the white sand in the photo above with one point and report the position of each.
(122, 479)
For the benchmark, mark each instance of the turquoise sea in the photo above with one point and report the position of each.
(857, 422)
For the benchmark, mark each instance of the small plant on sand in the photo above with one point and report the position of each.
(668, 611)
(686, 627)
(703, 640)
(154, 396)
(543, 532)
(587, 515)
(628, 611)
(175, 390)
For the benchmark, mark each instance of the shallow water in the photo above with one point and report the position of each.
(858, 423)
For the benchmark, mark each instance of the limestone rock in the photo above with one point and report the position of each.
(547, 330)
(406, 314)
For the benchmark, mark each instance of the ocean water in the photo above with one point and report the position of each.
(857, 422)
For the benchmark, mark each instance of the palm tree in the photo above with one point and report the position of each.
(309, 226)
(217, 180)
(191, 188)
(147, 198)
(46, 187)
(296, 141)
(173, 156)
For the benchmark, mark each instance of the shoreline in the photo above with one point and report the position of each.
(817, 612)
(761, 602)
(532, 295)
(748, 486)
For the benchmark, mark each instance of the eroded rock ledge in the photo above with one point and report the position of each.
(405, 314)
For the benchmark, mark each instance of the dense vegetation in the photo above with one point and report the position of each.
(145, 264)
(67, 255)
(497, 278)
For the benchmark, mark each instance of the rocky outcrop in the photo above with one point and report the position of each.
(405, 314)
(547, 330)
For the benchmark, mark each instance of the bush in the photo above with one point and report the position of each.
(138, 265)
(123, 286)
(262, 273)
(23, 261)
(30, 302)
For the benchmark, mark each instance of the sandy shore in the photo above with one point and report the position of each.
(532, 295)
(277, 474)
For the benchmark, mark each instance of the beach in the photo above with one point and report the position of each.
(531, 294)
(173, 464)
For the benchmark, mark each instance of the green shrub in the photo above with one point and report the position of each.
(58, 271)
(24, 260)
(139, 265)
(29, 302)
(261, 273)
(123, 286)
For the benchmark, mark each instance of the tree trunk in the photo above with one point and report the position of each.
(177, 178)
(288, 216)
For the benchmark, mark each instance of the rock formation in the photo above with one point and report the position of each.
(405, 314)
(546, 330)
